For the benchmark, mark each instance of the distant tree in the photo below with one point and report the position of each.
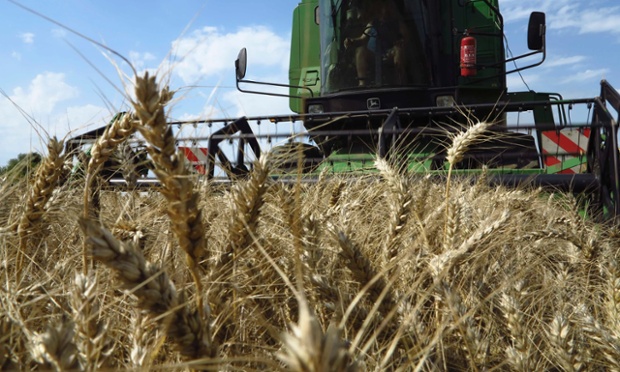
(20, 166)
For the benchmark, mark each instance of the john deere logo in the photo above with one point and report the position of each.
(373, 103)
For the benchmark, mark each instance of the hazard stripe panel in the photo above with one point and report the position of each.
(196, 156)
(564, 150)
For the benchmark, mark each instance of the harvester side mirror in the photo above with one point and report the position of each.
(536, 31)
(241, 64)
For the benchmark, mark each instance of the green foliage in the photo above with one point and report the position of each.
(21, 166)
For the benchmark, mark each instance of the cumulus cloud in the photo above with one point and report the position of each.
(44, 93)
(27, 37)
(209, 52)
(25, 109)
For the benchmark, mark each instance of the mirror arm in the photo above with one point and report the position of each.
(522, 56)
(544, 56)
(273, 85)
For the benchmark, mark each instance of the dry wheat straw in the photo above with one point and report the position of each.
(454, 305)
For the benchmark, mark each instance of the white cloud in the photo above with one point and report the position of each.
(243, 104)
(586, 75)
(16, 55)
(59, 33)
(78, 119)
(44, 93)
(515, 81)
(563, 61)
(586, 17)
(36, 105)
(208, 52)
(140, 60)
(27, 37)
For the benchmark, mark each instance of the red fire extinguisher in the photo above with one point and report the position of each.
(468, 56)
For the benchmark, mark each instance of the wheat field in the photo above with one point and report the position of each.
(390, 271)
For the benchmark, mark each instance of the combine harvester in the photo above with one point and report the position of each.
(394, 79)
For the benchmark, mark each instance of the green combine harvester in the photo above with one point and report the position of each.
(396, 79)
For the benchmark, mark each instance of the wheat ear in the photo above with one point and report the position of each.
(154, 290)
(399, 201)
(45, 181)
(56, 347)
(92, 340)
(119, 131)
(561, 337)
(461, 143)
(308, 348)
(178, 189)
(364, 273)
(521, 353)
(246, 201)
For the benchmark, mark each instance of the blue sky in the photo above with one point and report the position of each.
(61, 83)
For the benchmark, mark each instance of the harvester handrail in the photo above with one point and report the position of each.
(428, 110)
(611, 95)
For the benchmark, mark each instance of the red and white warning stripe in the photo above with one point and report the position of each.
(570, 141)
(197, 157)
